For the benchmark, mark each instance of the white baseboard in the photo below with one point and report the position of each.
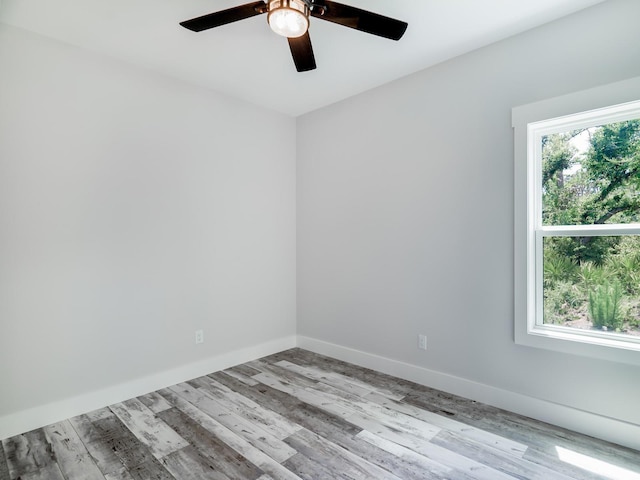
(588, 423)
(26, 420)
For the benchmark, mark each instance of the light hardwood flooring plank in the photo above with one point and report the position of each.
(121, 474)
(300, 413)
(150, 470)
(274, 423)
(424, 465)
(441, 455)
(4, 469)
(354, 409)
(379, 380)
(336, 380)
(344, 434)
(218, 455)
(155, 402)
(415, 440)
(148, 428)
(113, 445)
(331, 427)
(284, 375)
(310, 396)
(481, 416)
(545, 438)
(446, 422)
(485, 454)
(551, 461)
(307, 469)
(71, 454)
(244, 369)
(341, 462)
(241, 374)
(541, 438)
(97, 438)
(286, 405)
(188, 464)
(235, 441)
(326, 394)
(30, 456)
(342, 382)
(254, 434)
(99, 414)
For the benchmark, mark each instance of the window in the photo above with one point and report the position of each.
(577, 221)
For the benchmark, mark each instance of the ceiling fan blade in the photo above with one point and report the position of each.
(302, 53)
(359, 19)
(225, 16)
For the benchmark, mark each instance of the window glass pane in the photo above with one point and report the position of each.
(592, 175)
(593, 283)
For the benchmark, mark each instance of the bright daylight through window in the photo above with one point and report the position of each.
(581, 252)
(589, 188)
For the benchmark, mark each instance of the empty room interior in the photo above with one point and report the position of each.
(215, 266)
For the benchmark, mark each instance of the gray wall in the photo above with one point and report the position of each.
(405, 212)
(134, 209)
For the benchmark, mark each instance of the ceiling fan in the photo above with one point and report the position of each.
(290, 18)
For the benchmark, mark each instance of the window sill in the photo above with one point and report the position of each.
(612, 347)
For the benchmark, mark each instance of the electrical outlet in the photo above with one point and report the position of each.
(199, 336)
(422, 341)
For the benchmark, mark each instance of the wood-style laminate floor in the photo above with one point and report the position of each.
(299, 415)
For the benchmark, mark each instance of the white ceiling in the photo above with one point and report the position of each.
(246, 60)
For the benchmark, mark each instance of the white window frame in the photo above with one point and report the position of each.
(608, 104)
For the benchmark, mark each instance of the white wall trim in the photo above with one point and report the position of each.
(604, 104)
(609, 429)
(26, 420)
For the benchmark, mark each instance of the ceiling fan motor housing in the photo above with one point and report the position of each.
(289, 18)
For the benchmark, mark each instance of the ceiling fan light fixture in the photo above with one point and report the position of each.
(289, 18)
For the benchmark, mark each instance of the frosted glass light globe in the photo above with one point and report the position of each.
(288, 18)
